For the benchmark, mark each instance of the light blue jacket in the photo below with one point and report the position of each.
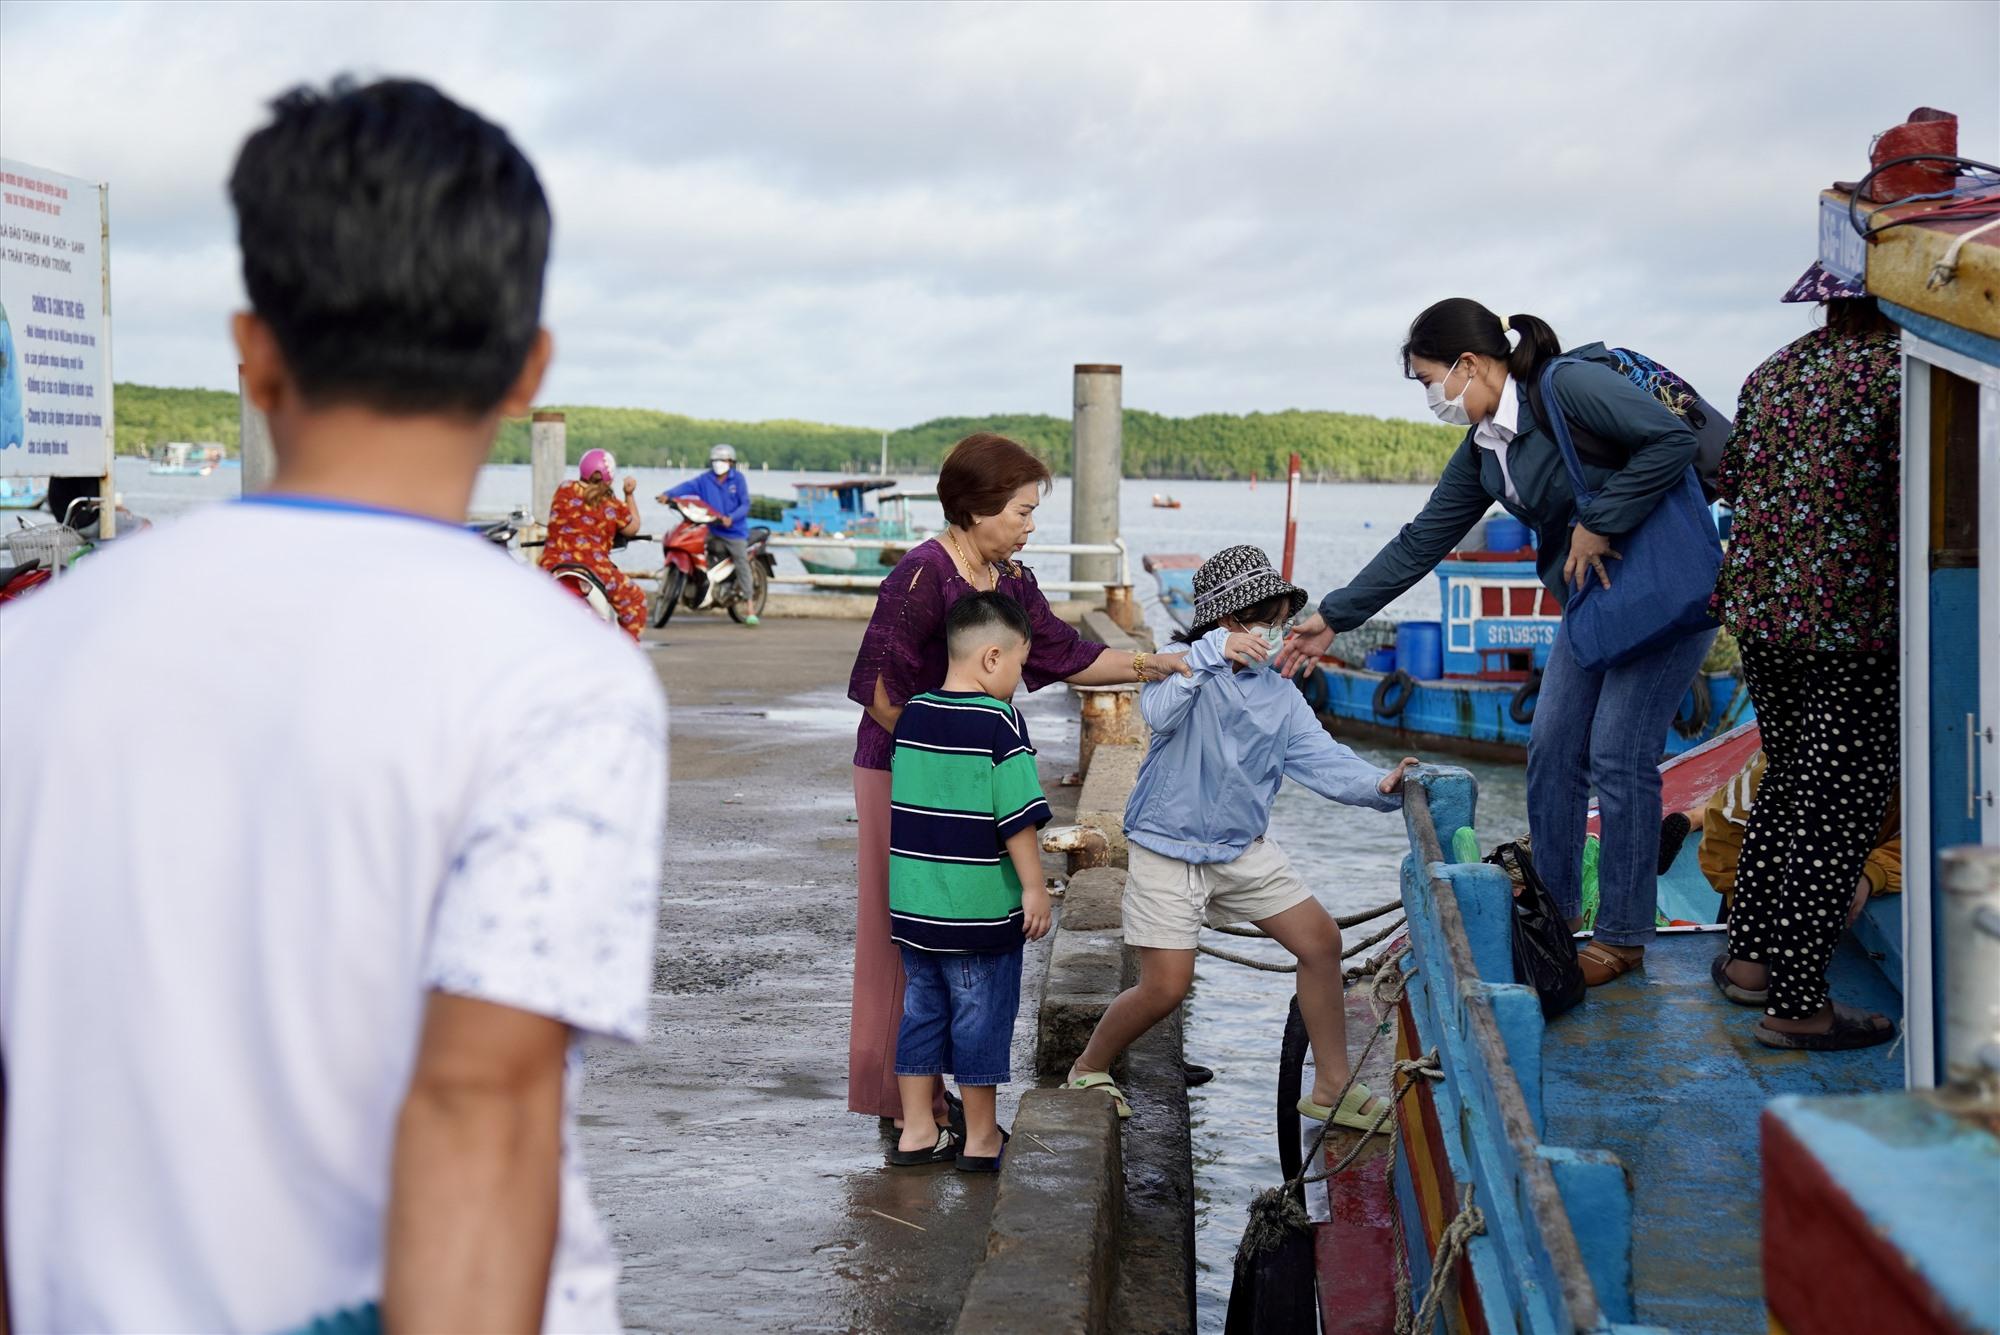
(1223, 742)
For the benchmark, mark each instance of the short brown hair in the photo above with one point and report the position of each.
(982, 473)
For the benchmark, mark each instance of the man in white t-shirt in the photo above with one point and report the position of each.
(327, 829)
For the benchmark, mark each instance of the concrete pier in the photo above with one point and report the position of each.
(1097, 464)
(739, 1191)
(548, 454)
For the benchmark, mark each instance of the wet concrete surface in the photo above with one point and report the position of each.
(739, 1191)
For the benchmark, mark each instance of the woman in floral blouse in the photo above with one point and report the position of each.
(585, 519)
(1809, 590)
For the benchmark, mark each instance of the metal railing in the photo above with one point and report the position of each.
(1116, 547)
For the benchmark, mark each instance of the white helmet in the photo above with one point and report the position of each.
(727, 452)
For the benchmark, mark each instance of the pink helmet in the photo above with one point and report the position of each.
(597, 463)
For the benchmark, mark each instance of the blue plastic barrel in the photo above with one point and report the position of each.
(1381, 660)
(1420, 649)
(1504, 533)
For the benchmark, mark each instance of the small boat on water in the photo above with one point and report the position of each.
(23, 493)
(841, 510)
(1640, 1163)
(1162, 501)
(182, 459)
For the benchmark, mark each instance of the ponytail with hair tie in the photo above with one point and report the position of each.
(1451, 328)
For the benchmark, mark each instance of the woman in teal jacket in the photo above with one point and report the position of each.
(1591, 729)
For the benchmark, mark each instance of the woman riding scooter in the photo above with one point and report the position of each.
(723, 490)
(584, 519)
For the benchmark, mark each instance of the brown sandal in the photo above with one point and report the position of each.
(1601, 964)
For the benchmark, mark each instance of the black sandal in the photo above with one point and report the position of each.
(948, 1145)
(1736, 992)
(1851, 1029)
(980, 1163)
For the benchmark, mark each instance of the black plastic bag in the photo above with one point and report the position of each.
(1544, 950)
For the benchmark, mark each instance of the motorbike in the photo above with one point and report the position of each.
(578, 579)
(699, 574)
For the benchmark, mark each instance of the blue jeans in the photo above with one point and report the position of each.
(958, 1015)
(1605, 730)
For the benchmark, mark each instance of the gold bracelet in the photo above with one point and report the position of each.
(1139, 666)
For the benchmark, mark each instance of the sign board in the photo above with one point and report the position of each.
(1842, 251)
(55, 355)
(1494, 633)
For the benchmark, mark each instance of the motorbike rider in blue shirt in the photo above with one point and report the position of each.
(723, 489)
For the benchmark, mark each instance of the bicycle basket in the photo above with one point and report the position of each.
(50, 545)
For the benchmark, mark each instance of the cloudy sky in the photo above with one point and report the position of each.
(877, 214)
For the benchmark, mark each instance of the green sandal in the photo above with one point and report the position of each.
(1353, 1112)
(1099, 1080)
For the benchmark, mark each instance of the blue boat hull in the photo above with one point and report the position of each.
(1476, 717)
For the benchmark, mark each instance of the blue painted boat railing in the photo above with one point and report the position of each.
(1555, 1257)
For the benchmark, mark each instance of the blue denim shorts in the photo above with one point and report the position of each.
(958, 1015)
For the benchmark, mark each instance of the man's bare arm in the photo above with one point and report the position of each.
(476, 1176)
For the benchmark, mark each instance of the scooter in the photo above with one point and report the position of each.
(699, 573)
(506, 534)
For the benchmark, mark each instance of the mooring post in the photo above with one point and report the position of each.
(1097, 463)
(253, 442)
(548, 453)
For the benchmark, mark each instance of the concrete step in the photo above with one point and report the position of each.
(1052, 1250)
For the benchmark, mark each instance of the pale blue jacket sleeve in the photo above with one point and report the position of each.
(1165, 704)
(1330, 769)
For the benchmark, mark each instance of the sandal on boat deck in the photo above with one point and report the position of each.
(981, 1163)
(1099, 1080)
(1851, 1029)
(1736, 992)
(1601, 964)
(1355, 1112)
(945, 1151)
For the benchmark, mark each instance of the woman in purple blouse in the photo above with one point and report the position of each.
(990, 487)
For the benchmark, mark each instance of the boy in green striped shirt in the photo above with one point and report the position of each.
(965, 881)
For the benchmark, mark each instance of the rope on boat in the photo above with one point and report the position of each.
(1267, 967)
(1468, 1223)
(1344, 920)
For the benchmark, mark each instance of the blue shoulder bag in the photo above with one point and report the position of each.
(1661, 587)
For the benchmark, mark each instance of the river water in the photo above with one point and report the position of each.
(1350, 857)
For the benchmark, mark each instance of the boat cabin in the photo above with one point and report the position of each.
(835, 507)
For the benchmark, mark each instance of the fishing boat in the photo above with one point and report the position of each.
(1161, 501)
(181, 459)
(1468, 682)
(841, 510)
(1640, 1163)
(23, 493)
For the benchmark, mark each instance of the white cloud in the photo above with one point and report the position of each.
(878, 214)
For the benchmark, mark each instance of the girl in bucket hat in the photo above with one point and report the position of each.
(1224, 737)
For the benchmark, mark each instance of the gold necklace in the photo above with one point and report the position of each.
(992, 575)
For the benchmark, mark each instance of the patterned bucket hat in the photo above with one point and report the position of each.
(1236, 578)
(1816, 284)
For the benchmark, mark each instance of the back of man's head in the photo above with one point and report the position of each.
(982, 619)
(394, 242)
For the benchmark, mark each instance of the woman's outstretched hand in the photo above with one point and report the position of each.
(1302, 648)
(1587, 554)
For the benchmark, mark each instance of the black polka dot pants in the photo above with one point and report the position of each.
(1831, 738)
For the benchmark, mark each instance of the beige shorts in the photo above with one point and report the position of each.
(1167, 900)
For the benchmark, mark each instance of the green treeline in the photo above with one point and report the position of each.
(1342, 447)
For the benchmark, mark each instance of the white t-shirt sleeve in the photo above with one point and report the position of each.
(552, 898)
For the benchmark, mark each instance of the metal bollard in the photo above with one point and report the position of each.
(1971, 929)
(1110, 714)
(1121, 606)
(1083, 846)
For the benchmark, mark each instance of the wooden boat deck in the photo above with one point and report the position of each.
(1661, 1071)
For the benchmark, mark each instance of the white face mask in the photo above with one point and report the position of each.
(721, 467)
(1273, 636)
(1451, 411)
